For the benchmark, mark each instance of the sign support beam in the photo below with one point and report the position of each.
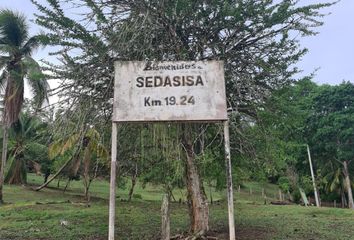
(112, 190)
(168, 92)
(230, 195)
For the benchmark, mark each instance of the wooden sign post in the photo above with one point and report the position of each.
(170, 92)
(230, 194)
(112, 186)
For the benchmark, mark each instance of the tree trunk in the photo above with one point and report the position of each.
(197, 203)
(54, 176)
(66, 186)
(165, 217)
(46, 175)
(348, 185)
(343, 199)
(3, 160)
(280, 195)
(17, 173)
(87, 193)
(172, 197)
(75, 156)
(133, 178)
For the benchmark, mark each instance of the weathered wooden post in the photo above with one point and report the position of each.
(112, 190)
(165, 217)
(230, 198)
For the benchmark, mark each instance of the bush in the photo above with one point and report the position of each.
(137, 196)
(284, 184)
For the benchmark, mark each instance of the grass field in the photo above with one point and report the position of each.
(38, 215)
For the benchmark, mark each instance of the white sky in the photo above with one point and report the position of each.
(332, 50)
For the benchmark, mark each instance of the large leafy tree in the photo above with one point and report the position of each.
(16, 64)
(282, 124)
(254, 38)
(306, 113)
(279, 136)
(331, 127)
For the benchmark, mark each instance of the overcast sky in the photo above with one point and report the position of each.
(331, 51)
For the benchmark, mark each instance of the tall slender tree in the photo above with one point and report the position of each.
(16, 63)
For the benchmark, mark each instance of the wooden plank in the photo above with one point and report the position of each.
(112, 193)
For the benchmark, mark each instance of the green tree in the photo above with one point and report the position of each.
(254, 38)
(334, 182)
(331, 127)
(279, 132)
(16, 47)
(26, 144)
(84, 156)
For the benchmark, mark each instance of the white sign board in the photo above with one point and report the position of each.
(169, 91)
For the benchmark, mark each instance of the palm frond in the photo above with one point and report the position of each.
(9, 164)
(55, 149)
(31, 45)
(70, 143)
(93, 134)
(13, 28)
(3, 78)
(30, 146)
(30, 125)
(37, 81)
(3, 61)
(61, 146)
(7, 49)
(25, 134)
(102, 153)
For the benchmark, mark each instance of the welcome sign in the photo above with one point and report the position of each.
(169, 91)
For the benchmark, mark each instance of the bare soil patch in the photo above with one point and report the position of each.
(242, 233)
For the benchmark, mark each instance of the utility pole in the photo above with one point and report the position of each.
(313, 177)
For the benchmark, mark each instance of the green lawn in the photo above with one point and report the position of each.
(38, 215)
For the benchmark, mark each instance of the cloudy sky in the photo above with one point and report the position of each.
(331, 52)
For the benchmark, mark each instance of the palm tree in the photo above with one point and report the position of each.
(84, 154)
(25, 144)
(16, 64)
